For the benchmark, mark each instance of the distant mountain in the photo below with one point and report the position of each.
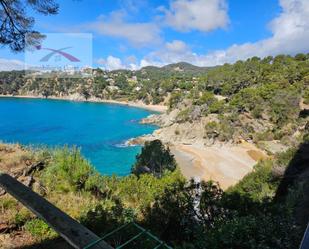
(150, 68)
(180, 67)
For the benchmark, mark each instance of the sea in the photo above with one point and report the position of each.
(100, 130)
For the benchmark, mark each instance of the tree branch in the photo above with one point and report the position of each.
(7, 12)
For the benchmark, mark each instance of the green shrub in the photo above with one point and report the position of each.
(175, 99)
(140, 192)
(21, 217)
(39, 229)
(264, 231)
(258, 184)
(212, 129)
(206, 98)
(284, 106)
(217, 106)
(263, 136)
(306, 96)
(184, 115)
(68, 170)
(284, 158)
(7, 203)
(104, 218)
(155, 158)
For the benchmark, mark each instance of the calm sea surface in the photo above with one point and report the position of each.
(100, 130)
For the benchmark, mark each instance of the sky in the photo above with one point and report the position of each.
(135, 33)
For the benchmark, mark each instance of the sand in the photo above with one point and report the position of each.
(225, 164)
(138, 104)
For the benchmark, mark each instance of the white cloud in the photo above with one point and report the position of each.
(290, 35)
(176, 46)
(202, 15)
(111, 63)
(133, 6)
(115, 25)
(171, 52)
(8, 65)
(131, 63)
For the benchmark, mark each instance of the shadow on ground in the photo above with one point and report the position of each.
(57, 243)
(297, 172)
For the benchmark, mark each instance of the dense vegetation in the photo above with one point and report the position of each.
(152, 84)
(261, 211)
(155, 158)
(256, 100)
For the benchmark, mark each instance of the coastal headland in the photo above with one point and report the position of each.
(224, 163)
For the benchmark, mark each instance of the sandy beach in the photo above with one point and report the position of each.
(138, 104)
(226, 164)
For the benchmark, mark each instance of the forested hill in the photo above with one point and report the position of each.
(150, 84)
(153, 84)
(181, 68)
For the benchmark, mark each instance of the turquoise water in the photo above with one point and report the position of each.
(100, 130)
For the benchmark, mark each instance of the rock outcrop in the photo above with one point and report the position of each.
(20, 164)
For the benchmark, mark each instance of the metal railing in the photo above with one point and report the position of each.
(72, 231)
(140, 232)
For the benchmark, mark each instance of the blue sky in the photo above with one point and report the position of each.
(135, 33)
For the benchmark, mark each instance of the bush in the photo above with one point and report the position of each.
(7, 202)
(184, 115)
(306, 96)
(260, 231)
(104, 218)
(217, 106)
(257, 185)
(223, 130)
(68, 171)
(155, 158)
(212, 129)
(207, 98)
(284, 107)
(22, 217)
(39, 229)
(175, 99)
(263, 136)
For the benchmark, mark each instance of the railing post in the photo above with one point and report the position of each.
(72, 231)
(305, 241)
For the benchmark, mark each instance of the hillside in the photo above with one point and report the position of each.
(149, 84)
(186, 68)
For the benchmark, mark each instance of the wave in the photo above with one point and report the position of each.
(125, 144)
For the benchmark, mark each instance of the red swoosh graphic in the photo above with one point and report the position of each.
(66, 55)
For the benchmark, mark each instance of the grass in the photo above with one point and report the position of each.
(22, 216)
(39, 229)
